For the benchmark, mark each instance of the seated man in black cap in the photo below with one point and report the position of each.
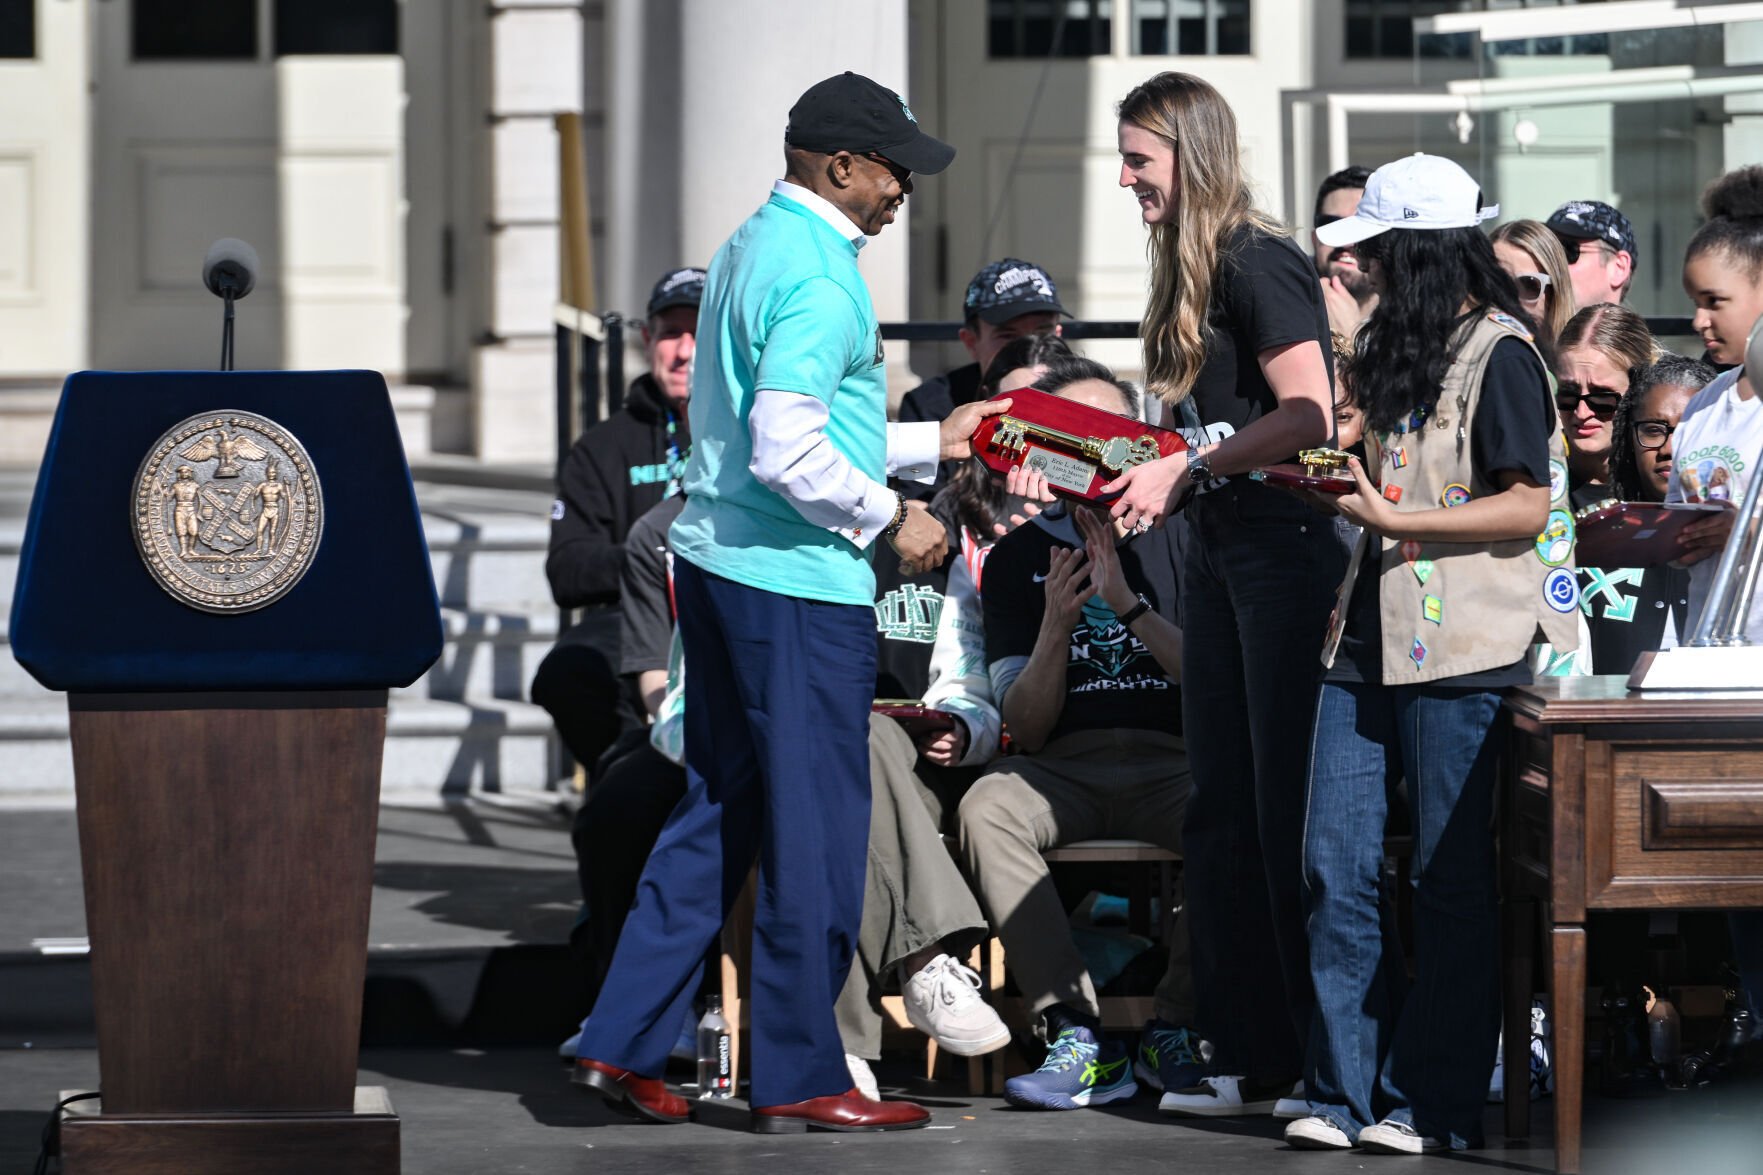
(617, 470)
(1006, 300)
(1603, 273)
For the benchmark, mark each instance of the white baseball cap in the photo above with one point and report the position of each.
(1421, 191)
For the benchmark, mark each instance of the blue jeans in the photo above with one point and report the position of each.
(1258, 584)
(1426, 1059)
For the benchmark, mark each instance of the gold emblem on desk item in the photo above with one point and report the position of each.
(227, 511)
(1324, 462)
(1115, 453)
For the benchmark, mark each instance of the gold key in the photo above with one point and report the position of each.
(1115, 453)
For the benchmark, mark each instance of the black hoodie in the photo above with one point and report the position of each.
(616, 472)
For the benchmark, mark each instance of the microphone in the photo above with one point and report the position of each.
(230, 269)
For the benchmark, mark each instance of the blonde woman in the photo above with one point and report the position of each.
(1237, 343)
(1538, 266)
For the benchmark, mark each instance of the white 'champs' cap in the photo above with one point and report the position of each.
(1421, 191)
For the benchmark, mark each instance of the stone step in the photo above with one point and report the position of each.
(434, 748)
(490, 563)
(487, 655)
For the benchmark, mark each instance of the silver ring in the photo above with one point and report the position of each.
(1142, 525)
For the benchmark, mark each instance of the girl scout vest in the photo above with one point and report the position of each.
(1450, 609)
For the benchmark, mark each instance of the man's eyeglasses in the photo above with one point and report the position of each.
(1531, 286)
(902, 175)
(1652, 434)
(1602, 403)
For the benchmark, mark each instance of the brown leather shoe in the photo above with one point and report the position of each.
(848, 1111)
(646, 1097)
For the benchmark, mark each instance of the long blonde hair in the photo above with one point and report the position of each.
(1545, 249)
(1213, 201)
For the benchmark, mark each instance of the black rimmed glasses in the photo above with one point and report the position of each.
(1652, 434)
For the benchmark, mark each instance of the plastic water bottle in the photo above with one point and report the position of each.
(715, 1062)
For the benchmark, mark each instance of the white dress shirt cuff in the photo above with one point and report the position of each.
(879, 504)
(914, 448)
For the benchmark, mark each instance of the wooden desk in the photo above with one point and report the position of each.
(1614, 800)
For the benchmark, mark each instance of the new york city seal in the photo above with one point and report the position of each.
(228, 511)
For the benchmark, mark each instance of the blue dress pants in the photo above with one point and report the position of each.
(777, 766)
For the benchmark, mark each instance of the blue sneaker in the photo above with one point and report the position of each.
(1079, 1071)
(1170, 1057)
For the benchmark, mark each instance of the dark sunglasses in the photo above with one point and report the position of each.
(1652, 434)
(902, 175)
(1602, 404)
(1572, 246)
(1327, 218)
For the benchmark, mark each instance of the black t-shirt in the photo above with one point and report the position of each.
(907, 608)
(1511, 432)
(1627, 609)
(1112, 681)
(1265, 295)
(934, 399)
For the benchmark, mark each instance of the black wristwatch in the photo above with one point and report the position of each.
(1136, 611)
(1199, 468)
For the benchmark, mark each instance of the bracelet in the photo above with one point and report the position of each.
(899, 519)
(1136, 611)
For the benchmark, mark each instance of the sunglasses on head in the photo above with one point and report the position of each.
(1531, 286)
(1603, 404)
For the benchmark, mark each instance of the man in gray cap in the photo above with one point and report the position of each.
(786, 496)
(1600, 250)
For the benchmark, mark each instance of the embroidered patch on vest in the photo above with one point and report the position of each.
(1398, 458)
(1555, 544)
(1423, 569)
(1418, 652)
(1393, 493)
(1410, 549)
(1557, 481)
(1454, 494)
(1433, 609)
(1561, 590)
(1510, 323)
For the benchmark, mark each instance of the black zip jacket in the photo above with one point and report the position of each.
(617, 470)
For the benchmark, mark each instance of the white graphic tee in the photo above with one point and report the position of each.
(1715, 452)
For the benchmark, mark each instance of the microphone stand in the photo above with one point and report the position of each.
(226, 328)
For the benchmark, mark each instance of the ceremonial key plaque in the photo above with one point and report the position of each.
(227, 511)
(1080, 449)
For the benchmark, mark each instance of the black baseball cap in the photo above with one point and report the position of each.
(852, 113)
(680, 287)
(1593, 220)
(1010, 288)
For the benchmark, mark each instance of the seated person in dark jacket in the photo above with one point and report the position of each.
(616, 472)
(1006, 300)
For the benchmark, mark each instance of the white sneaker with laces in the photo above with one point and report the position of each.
(1396, 1138)
(1296, 1105)
(862, 1077)
(1218, 1097)
(944, 1003)
(1313, 1132)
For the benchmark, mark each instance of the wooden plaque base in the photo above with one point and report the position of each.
(364, 1142)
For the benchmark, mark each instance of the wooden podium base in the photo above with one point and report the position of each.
(364, 1142)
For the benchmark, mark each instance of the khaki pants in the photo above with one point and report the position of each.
(1099, 783)
(913, 894)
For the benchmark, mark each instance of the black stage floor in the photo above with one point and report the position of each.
(508, 1110)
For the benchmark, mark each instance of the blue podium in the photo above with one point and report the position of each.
(226, 571)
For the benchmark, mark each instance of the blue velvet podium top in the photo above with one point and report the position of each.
(88, 616)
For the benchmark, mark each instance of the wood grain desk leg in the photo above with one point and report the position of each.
(1567, 990)
(1519, 981)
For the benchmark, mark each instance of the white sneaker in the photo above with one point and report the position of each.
(1295, 1105)
(566, 1050)
(862, 1077)
(1219, 1097)
(1396, 1138)
(944, 1003)
(1313, 1132)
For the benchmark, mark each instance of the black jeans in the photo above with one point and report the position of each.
(1260, 579)
(579, 685)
